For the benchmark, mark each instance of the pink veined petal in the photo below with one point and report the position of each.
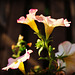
(39, 18)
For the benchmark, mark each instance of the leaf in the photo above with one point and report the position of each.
(50, 48)
(44, 58)
(40, 51)
(13, 50)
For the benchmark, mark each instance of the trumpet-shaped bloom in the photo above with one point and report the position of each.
(51, 23)
(67, 49)
(29, 20)
(14, 63)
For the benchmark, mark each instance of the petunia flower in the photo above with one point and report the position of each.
(67, 49)
(16, 63)
(29, 20)
(51, 23)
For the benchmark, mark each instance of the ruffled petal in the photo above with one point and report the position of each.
(72, 50)
(14, 63)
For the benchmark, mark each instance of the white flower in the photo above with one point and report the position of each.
(67, 49)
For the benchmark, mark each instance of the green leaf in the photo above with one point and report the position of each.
(22, 48)
(13, 50)
(40, 51)
(50, 48)
(61, 68)
(44, 58)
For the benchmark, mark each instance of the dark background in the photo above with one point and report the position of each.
(11, 10)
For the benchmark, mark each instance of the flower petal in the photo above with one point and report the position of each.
(14, 63)
(21, 68)
(29, 20)
(33, 11)
(72, 50)
(69, 61)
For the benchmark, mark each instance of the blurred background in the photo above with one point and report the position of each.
(11, 10)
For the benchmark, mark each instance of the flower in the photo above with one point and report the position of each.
(67, 49)
(29, 20)
(20, 37)
(51, 23)
(14, 63)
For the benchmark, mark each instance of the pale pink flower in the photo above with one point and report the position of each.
(67, 49)
(51, 23)
(14, 63)
(29, 19)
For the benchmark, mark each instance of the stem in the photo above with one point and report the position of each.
(18, 54)
(50, 62)
(49, 54)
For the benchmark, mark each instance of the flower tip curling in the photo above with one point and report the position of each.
(5, 68)
(33, 11)
(67, 25)
(21, 19)
(30, 51)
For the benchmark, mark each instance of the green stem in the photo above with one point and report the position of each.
(18, 54)
(49, 54)
(50, 62)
